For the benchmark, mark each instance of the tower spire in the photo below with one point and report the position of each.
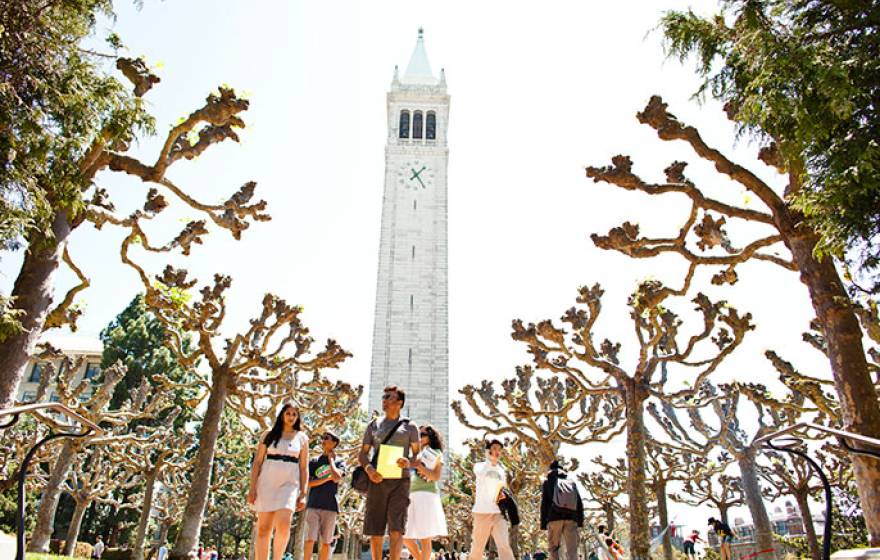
(418, 71)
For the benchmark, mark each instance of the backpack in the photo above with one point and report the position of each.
(565, 495)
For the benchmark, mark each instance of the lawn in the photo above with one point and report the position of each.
(36, 556)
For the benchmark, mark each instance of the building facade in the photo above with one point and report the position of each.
(410, 333)
(84, 353)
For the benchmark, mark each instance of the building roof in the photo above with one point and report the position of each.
(73, 343)
(418, 71)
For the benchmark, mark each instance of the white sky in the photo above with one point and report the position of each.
(537, 94)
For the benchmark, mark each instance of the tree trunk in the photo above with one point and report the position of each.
(297, 541)
(33, 291)
(858, 398)
(639, 537)
(137, 552)
(810, 529)
(73, 529)
(252, 551)
(752, 492)
(722, 511)
(191, 524)
(49, 501)
(660, 491)
(609, 516)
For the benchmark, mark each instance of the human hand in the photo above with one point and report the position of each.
(374, 475)
(252, 496)
(403, 463)
(301, 503)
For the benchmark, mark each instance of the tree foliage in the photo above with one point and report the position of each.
(804, 74)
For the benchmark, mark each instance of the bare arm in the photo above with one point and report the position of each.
(304, 468)
(335, 474)
(259, 458)
(431, 475)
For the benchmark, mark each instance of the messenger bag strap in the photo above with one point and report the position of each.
(387, 437)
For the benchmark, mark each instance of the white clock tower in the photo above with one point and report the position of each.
(410, 333)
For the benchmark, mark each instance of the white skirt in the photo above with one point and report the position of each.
(425, 518)
(277, 486)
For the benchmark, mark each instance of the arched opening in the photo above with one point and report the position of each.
(404, 124)
(417, 124)
(431, 126)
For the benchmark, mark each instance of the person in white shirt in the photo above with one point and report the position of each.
(163, 552)
(490, 479)
(98, 551)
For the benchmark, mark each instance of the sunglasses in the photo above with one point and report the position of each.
(388, 397)
(325, 438)
(424, 434)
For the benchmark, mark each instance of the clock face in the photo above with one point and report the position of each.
(415, 174)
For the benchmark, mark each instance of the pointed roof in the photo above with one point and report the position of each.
(418, 71)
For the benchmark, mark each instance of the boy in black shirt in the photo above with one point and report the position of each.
(325, 471)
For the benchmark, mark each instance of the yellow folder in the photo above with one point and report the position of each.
(388, 456)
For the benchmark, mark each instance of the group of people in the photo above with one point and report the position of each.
(400, 465)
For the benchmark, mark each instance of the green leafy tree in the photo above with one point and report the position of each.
(66, 116)
(137, 339)
(805, 75)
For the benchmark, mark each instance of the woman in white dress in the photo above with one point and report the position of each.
(279, 478)
(425, 519)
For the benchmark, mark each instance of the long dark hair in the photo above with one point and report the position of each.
(435, 441)
(274, 435)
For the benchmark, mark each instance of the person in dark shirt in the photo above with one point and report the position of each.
(725, 536)
(561, 524)
(325, 472)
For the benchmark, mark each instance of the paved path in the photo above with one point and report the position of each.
(7, 546)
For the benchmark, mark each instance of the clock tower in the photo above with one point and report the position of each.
(410, 332)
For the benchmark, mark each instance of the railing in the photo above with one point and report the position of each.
(88, 428)
(788, 439)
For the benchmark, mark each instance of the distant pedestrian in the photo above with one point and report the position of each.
(689, 543)
(98, 551)
(724, 534)
(562, 512)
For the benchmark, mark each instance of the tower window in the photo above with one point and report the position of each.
(431, 126)
(417, 124)
(413, 252)
(404, 124)
(414, 204)
(410, 302)
(409, 359)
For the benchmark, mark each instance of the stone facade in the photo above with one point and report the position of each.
(410, 336)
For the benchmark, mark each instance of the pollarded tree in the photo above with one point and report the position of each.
(233, 366)
(721, 491)
(783, 225)
(604, 489)
(99, 474)
(151, 456)
(666, 465)
(790, 475)
(725, 431)
(542, 413)
(95, 408)
(597, 370)
(78, 134)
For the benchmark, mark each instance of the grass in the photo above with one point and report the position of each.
(38, 556)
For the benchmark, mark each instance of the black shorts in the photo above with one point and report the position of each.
(688, 547)
(387, 503)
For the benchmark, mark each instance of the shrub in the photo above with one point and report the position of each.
(81, 550)
(117, 554)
